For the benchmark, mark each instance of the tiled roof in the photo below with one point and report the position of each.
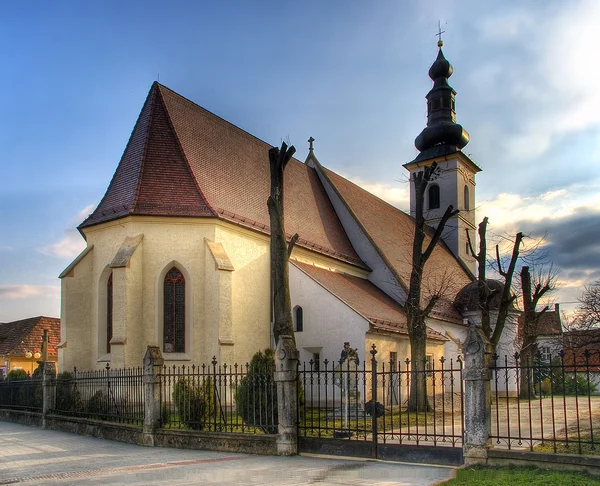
(182, 160)
(392, 231)
(549, 324)
(18, 337)
(383, 312)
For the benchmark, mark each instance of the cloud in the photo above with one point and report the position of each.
(397, 195)
(72, 243)
(17, 292)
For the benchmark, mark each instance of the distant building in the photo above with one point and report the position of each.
(21, 343)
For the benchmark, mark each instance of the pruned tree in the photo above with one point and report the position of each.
(280, 249)
(416, 312)
(587, 315)
(494, 330)
(533, 288)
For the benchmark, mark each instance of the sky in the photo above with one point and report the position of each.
(351, 74)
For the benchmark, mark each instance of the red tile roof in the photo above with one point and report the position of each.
(18, 337)
(391, 231)
(360, 294)
(182, 160)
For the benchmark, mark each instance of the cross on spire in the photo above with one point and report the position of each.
(310, 141)
(439, 34)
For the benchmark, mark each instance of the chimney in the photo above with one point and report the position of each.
(557, 308)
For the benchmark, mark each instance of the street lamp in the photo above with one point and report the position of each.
(32, 355)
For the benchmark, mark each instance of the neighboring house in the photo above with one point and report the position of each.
(21, 343)
(579, 343)
(178, 248)
(550, 334)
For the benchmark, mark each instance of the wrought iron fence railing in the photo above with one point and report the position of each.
(22, 394)
(115, 395)
(221, 398)
(342, 400)
(548, 405)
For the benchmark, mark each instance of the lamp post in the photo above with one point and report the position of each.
(33, 356)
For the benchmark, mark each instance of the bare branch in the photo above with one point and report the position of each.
(291, 244)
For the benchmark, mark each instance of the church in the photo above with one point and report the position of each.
(177, 250)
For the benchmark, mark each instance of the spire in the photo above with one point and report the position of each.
(442, 129)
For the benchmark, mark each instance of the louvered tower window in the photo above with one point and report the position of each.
(434, 196)
(174, 312)
(109, 312)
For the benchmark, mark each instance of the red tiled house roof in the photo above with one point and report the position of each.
(182, 160)
(384, 313)
(391, 232)
(18, 337)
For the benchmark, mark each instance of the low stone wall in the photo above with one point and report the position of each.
(21, 417)
(96, 428)
(217, 441)
(561, 462)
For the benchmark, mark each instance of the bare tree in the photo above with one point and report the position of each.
(533, 288)
(587, 315)
(280, 250)
(494, 332)
(416, 313)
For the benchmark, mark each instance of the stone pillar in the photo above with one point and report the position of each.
(476, 375)
(152, 360)
(48, 389)
(286, 372)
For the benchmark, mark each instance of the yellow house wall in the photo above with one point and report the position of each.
(23, 363)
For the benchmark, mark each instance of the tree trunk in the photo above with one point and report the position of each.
(282, 307)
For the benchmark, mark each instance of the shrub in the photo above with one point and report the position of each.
(68, 398)
(561, 382)
(196, 403)
(17, 375)
(19, 391)
(256, 396)
(98, 405)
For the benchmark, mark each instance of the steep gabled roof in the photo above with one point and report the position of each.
(18, 337)
(384, 313)
(391, 231)
(183, 160)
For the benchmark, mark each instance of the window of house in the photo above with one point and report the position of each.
(393, 361)
(466, 197)
(434, 196)
(546, 357)
(174, 312)
(109, 312)
(298, 319)
(429, 364)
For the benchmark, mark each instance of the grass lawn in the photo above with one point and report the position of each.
(518, 476)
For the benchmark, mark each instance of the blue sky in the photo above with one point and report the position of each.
(351, 74)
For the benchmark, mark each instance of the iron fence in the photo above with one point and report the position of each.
(114, 395)
(341, 400)
(222, 398)
(24, 394)
(546, 405)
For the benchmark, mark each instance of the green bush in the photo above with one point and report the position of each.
(561, 382)
(196, 404)
(98, 405)
(17, 375)
(68, 398)
(20, 392)
(256, 396)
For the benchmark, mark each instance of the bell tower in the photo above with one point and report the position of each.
(441, 141)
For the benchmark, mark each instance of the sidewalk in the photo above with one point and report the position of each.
(37, 456)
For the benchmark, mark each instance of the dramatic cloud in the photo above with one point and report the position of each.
(72, 243)
(18, 292)
(397, 194)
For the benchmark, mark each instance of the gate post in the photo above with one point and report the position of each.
(286, 373)
(476, 375)
(151, 380)
(48, 389)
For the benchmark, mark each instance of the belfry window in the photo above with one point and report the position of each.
(434, 196)
(466, 197)
(109, 312)
(174, 312)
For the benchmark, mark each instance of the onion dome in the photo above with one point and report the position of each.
(442, 129)
(467, 300)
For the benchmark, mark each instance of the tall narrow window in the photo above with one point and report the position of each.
(298, 319)
(109, 312)
(434, 196)
(466, 196)
(174, 312)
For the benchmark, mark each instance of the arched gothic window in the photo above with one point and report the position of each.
(109, 312)
(434, 196)
(174, 312)
(298, 319)
(466, 196)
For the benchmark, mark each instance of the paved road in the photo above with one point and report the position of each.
(37, 456)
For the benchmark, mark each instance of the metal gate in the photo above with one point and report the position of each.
(347, 409)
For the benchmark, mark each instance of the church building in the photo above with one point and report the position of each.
(177, 250)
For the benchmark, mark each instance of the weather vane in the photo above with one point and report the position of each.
(439, 34)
